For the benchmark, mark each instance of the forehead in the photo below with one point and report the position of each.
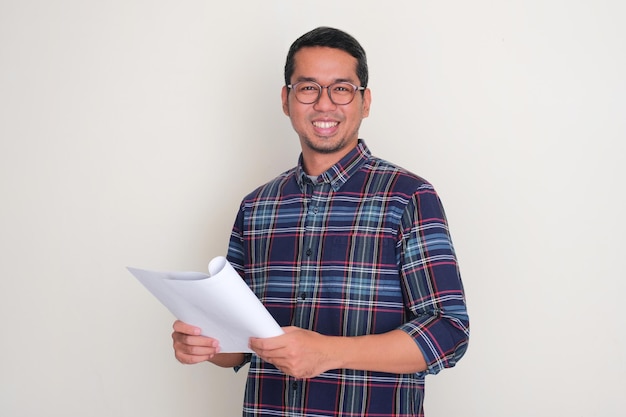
(323, 63)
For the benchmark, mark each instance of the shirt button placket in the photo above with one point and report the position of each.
(294, 393)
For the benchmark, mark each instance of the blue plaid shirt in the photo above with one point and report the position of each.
(364, 249)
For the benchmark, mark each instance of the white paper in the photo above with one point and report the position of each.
(220, 303)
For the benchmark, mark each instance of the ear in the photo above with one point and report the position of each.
(284, 94)
(367, 100)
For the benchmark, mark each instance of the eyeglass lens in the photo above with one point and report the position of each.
(308, 92)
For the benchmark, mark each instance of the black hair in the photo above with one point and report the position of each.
(331, 38)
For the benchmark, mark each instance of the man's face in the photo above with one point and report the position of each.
(324, 127)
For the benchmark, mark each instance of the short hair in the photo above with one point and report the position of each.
(331, 38)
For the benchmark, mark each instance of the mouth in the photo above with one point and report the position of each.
(325, 124)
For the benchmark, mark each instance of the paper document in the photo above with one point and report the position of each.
(220, 303)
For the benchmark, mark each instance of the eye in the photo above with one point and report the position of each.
(308, 88)
(343, 90)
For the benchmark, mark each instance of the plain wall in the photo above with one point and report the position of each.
(130, 130)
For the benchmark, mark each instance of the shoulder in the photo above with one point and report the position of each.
(395, 178)
(274, 187)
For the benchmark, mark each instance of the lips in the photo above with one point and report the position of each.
(325, 124)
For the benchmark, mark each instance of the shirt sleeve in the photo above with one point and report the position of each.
(235, 254)
(432, 283)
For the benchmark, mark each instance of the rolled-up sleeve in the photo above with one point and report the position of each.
(431, 282)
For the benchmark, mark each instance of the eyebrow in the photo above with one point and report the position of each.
(336, 80)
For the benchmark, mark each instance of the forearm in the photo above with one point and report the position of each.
(227, 360)
(394, 352)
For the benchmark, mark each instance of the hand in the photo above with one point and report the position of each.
(299, 353)
(190, 347)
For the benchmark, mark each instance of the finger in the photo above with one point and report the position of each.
(266, 343)
(182, 327)
(262, 348)
(194, 351)
(191, 359)
(255, 343)
(200, 341)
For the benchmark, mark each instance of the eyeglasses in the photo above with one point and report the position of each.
(309, 92)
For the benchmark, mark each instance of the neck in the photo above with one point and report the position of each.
(315, 163)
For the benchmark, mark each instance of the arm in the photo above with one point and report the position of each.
(190, 347)
(431, 283)
(305, 354)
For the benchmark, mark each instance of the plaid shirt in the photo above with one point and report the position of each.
(364, 249)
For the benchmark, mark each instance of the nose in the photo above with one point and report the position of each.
(324, 102)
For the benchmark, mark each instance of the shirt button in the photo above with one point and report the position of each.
(302, 296)
(294, 386)
(308, 252)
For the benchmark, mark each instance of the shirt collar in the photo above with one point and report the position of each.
(338, 174)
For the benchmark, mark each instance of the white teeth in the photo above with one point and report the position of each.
(325, 125)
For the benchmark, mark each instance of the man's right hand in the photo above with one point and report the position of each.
(190, 347)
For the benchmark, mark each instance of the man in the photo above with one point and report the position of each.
(349, 253)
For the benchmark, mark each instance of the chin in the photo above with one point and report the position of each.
(325, 145)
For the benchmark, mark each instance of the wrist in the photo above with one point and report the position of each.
(229, 360)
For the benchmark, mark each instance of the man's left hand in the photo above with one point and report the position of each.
(299, 353)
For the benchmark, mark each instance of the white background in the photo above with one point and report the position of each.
(130, 130)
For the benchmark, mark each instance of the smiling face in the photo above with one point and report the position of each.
(327, 131)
